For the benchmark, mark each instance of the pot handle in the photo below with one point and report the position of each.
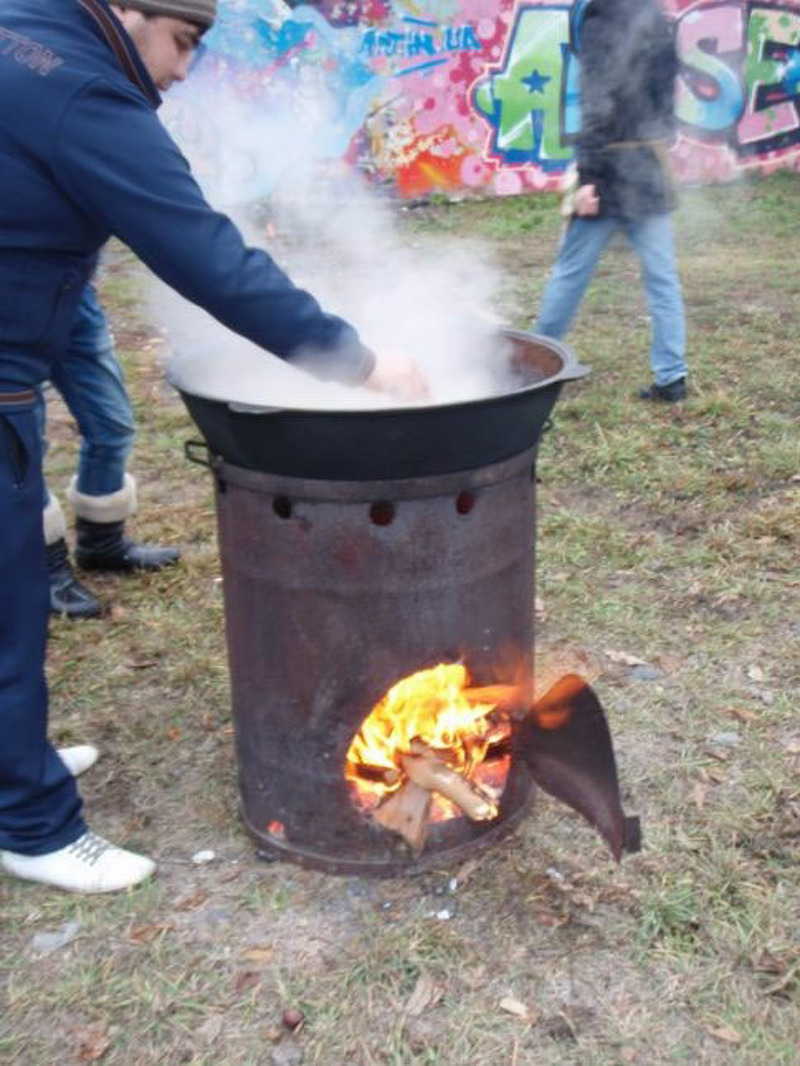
(571, 369)
(192, 449)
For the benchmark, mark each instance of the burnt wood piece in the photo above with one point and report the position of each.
(499, 749)
(381, 775)
(567, 745)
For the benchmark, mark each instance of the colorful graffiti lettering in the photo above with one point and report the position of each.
(412, 44)
(475, 94)
(739, 82)
(524, 100)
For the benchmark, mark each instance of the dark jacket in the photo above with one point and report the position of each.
(628, 65)
(83, 156)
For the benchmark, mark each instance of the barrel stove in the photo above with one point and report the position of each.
(359, 547)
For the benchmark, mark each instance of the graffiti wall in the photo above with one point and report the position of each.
(455, 96)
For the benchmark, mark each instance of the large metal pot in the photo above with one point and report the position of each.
(395, 442)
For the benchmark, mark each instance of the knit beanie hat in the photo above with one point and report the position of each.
(202, 12)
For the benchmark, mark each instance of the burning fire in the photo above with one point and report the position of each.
(434, 714)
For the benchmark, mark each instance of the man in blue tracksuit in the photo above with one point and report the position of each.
(84, 156)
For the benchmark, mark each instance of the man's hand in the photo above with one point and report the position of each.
(398, 376)
(587, 202)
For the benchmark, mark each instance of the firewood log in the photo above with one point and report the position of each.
(429, 773)
(406, 812)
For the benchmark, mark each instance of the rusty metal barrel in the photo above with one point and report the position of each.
(337, 587)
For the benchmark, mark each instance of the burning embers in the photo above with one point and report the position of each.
(431, 749)
(435, 748)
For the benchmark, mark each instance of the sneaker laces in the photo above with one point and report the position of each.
(89, 848)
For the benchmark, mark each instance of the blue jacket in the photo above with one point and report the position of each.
(83, 156)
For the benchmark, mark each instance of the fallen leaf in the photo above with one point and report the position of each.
(742, 714)
(117, 614)
(717, 775)
(474, 978)
(259, 954)
(426, 994)
(211, 1028)
(550, 918)
(769, 963)
(755, 673)
(699, 793)
(143, 934)
(174, 733)
(47, 942)
(231, 875)
(91, 1043)
(246, 980)
(514, 1006)
(720, 754)
(624, 659)
(192, 901)
(727, 1034)
(466, 870)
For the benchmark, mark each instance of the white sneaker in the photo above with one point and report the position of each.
(91, 864)
(79, 758)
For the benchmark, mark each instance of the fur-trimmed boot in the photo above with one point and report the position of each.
(100, 529)
(67, 595)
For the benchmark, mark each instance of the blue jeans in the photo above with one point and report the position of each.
(40, 810)
(652, 239)
(90, 380)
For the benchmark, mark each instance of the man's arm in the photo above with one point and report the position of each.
(118, 163)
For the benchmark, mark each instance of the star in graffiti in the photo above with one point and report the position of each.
(536, 81)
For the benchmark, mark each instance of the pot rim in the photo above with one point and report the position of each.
(571, 370)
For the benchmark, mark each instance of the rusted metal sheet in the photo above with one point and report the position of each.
(566, 742)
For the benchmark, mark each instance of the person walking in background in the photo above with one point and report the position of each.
(102, 494)
(83, 156)
(628, 65)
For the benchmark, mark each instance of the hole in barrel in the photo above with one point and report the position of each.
(382, 513)
(282, 506)
(465, 501)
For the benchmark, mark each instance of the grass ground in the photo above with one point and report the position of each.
(668, 535)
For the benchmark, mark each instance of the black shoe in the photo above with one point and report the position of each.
(672, 393)
(67, 595)
(104, 546)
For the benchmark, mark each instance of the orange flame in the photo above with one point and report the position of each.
(435, 706)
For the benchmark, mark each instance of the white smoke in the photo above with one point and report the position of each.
(432, 301)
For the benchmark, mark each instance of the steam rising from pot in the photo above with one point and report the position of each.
(431, 299)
